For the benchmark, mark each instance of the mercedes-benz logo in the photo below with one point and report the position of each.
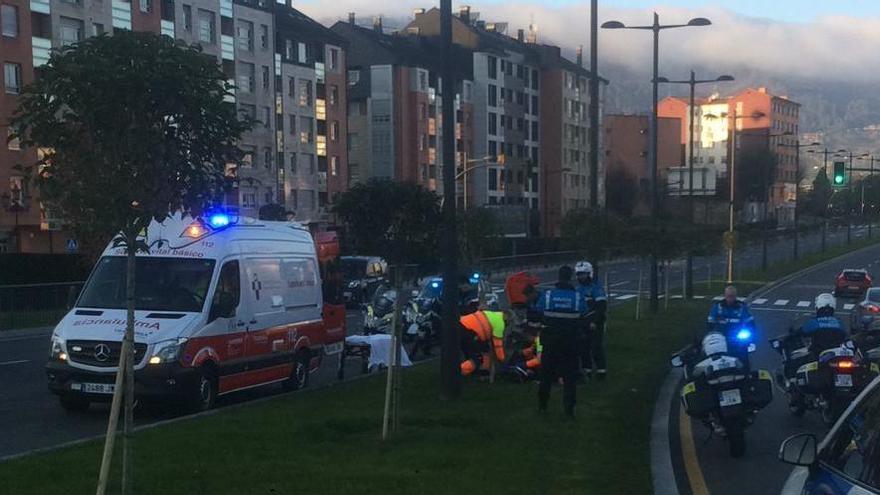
(102, 352)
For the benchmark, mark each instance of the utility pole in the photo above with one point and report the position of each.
(594, 104)
(450, 379)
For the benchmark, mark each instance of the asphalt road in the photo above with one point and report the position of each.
(30, 417)
(759, 472)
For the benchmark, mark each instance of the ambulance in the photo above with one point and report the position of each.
(223, 304)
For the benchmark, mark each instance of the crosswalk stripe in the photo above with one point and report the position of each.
(848, 307)
(803, 304)
(677, 296)
(626, 297)
(781, 302)
(699, 297)
(759, 301)
(717, 298)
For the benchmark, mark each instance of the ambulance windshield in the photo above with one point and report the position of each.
(161, 284)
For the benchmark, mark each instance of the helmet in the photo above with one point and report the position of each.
(583, 267)
(714, 343)
(825, 301)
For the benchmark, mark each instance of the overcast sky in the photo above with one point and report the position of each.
(832, 40)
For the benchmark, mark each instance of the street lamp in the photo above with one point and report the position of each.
(655, 28)
(483, 163)
(797, 185)
(692, 82)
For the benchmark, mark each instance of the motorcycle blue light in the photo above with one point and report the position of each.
(744, 334)
(475, 276)
(219, 220)
(435, 284)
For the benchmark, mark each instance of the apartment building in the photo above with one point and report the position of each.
(395, 107)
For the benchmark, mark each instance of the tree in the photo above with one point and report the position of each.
(479, 232)
(131, 128)
(816, 202)
(621, 192)
(595, 233)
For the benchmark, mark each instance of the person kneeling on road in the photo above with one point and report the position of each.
(561, 310)
(478, 331)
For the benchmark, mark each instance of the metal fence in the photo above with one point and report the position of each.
(35, 305)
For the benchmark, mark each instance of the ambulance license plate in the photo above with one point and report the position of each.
(843, 381)
(95, 388)
(729, 397)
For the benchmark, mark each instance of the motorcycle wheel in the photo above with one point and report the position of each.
(736, 439)
(796, 406)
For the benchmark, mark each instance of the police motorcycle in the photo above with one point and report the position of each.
(720, 390)
(379, 312)
(827, 382)
(867, 341)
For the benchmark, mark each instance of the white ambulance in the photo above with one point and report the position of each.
(223, 304)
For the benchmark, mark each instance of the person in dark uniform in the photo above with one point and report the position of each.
(561, 309)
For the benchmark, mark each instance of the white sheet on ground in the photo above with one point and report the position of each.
(380, 349)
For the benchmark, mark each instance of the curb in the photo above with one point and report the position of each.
(662, 471)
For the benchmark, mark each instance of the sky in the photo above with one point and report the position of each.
(825, 40)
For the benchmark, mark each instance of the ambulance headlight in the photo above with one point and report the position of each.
(57, 350)
(167, 351)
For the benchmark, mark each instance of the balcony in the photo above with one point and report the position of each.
(319, 72)
(167, 28)
(121, 14)
(321, 109)
(41, 6)
(40, 50)
(227, 47)
(321, 146)
(226, 8)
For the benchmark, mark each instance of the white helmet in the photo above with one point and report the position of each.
(714, 343)
(583, 267)
(825, 300)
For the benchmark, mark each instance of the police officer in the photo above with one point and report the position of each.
(562, 310)
(727, 310)
(593, 332)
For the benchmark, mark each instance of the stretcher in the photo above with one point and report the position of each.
(373, 351)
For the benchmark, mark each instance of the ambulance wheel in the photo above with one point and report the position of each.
(73, 403)
(204, 394)
(299, 375)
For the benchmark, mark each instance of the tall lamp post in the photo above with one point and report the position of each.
(655, 28)
(825, 152)
(692, 82)
(797, 164)
(462, 174)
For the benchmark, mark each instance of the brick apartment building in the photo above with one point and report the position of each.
(290, 76)
(626, 144)
(762, 121)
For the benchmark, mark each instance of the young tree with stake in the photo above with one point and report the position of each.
(131, 128)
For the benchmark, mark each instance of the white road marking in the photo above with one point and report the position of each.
(699, 297)
(677, 296)
(618, 284)
(848, 307)
(627, 297)
(803, 304)
(781, 302)
(759, 301)
(718, 298)
(6, 363)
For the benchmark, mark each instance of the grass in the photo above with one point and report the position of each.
(327, 441)
(30, 319)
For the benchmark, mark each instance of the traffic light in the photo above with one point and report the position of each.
(839, 177)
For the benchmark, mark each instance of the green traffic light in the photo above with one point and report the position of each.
(838, 179)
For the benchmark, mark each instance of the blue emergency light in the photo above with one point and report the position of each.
(744, 334)
(219, 220)
(435, 284)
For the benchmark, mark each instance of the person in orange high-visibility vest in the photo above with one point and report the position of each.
(478, 330)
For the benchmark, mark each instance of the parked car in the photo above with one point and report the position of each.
(362, 275)
(852, 282)
(866, 312)
(847, 462)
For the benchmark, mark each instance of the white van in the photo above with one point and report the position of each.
(223, 304)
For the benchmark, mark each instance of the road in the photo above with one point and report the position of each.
(30, 417)
(759, 472)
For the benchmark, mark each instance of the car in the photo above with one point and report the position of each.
(362, 275)
(866, 312)
(852, 282)
(847, 462)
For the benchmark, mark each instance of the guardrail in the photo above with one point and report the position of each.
(35, 305)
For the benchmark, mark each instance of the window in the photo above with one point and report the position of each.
(97, 29)
(71, 30)
(293, 164)
(306, 134)
(334, 166)
(334, 130)
(228, 294)
(423, 142)
(493, 149)
(493, 123)
(247, 112)
(334, 95)
(509, 69)
(334, 59)
(520, 71)
(302, 54)
(187, 18)
(492, 64)
(246, 77)
(310, 164)
(493, 96)
(534, 79)
(247, 158)
(288, 49)
(206, 26)
(534, 105)
(520, 124)
(12, 78)
(291, 123)
(267, 116)
(855, 448)
(520, 97)
(13, 144)
(493, 179)
(248, 199)
(146, 6)
(245, 35)
(264, 36)
(9, 20)
(305, 93)
(267, 158)
(265, 78)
